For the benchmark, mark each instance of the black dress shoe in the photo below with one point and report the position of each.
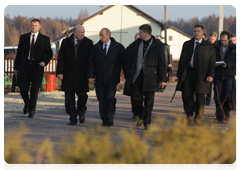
(82, 119)
(30, 115)
(72, 122)
(111, 123)
(104, 124)
(25, 110)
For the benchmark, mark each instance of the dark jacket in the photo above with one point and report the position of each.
(206, 65)
(42, 52)
(106, 69)
(74, 68)
(167, 55)
(230, 60)
(155, 66)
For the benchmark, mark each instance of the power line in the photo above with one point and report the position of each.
(225, 8)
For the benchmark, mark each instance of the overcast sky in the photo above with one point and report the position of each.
(174, 12)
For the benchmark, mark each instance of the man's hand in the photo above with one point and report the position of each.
(15, 71)
(42, 64)
(209, 79)
(90, 80)
(224, 65)
(163, 84)
(60, 76)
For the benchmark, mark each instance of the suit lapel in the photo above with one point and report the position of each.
(191, 50)
(28, 40)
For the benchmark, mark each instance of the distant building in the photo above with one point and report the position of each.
(175, 40)
(122, 20)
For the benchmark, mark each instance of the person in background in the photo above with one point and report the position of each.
(147, 73)
(33, 54)
(212, 40)
(233, 38)
(105, 62)
(129, 51)
(71, 70)
(167, 55)
(196, 69)
(223, 80)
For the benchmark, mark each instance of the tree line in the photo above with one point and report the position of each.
(210, 23)
(14, 27)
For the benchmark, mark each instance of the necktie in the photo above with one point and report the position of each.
(105, 49)
(195, 57)
(77, 43)
(32, 48)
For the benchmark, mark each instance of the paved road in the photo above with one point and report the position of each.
(52, 123)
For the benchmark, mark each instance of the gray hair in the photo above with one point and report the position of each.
(108, 32)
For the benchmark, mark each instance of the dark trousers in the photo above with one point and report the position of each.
(27, 79)
(139, 97)
(107, 101)
(223, 95)
(234, 93)
(70, 104)
(189, 104)
(208, 97)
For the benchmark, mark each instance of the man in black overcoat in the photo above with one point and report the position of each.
(196, 69)
(71, 69)
(34, 52)
(105, 62)
(147, 74)
(224, 77)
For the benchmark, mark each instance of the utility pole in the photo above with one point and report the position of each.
(220, 20)
(165, 23)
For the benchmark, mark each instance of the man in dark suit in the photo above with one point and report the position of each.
(34, 52)
(196, 70)
(224, 77)
(71, 69)
(105, 62)
(147, 73)
(168, 58)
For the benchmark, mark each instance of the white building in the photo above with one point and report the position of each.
(175, 40)
(122, 20)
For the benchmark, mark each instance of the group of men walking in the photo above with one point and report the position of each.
(144, 66)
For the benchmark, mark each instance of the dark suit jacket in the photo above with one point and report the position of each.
(206, 65)
(155, 66)
(42, 52)
(107, 69)
(74, 68)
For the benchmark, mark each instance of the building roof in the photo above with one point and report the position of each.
(181, 32)
(100, 12)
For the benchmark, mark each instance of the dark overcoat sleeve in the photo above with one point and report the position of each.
(19, 53)
(48, 51)
(91, 65)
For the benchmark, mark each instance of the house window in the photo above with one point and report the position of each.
(170, 38)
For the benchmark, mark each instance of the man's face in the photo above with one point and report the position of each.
(142, 34)
(198, 33)
(35, 27)
(233, 40)
(212, 39)
(79, 32)
(224, 40)
(103, 36)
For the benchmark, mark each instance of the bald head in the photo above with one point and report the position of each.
(79, 32)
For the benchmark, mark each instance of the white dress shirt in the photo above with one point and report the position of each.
(195, 44)
(108, 45)
(35, 38)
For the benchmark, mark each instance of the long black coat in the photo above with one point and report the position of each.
(206, 65)
(42, 52)
(155, 66)
(106, 69)
(73, 67)
(230, 60)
